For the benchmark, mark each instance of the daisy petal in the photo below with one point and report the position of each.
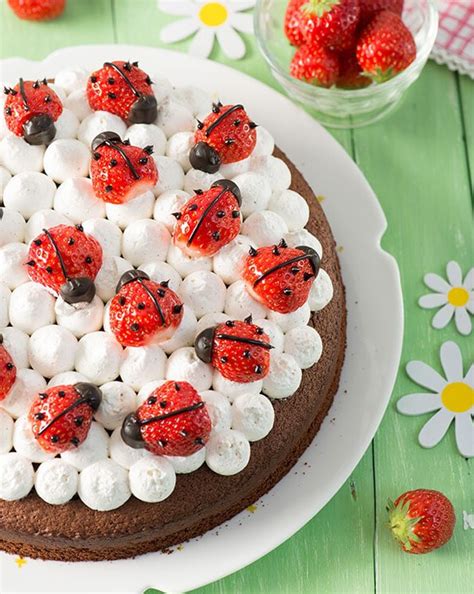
(464, 431)
(470, 305)
(242, 22)
(177, 7)
(425, 376)
(202, 43)
(231, 43)
(463, 321)
(469, 280)
(454, 273)
(432, 300)
(469, 378)
(418, 404)
(451, 360)
(443, 316)
(242, 4)
(178, 30)
(435, 429)
(435, 282)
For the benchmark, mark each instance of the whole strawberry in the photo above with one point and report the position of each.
(65, 260)
(239, 350)
(331, 23)
(31, 108)
(292, 22)
(227, 135)
(7, 371)
(209, 220)
(119, 171)
(173, 421)
(37, 10)
(281, 277)
(142, 311)
(124, 90)
(369, 8)
(350, 73)
(385, 47)
(315, 65)
(61, 417)
(421, 520)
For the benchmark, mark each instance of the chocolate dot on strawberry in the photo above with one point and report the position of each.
(61, 416)
(120, 171)
(281, 277)
(132, 97)
(31, 108)
(7, 371)
(65, 260)
(239, 350)
(226, 135)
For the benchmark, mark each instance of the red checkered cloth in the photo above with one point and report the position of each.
(454, 44)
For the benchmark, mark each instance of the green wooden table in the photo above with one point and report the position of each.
(420, 163)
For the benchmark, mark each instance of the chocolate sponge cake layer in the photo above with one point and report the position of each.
(201, 500)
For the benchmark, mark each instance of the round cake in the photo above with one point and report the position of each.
(172, 314)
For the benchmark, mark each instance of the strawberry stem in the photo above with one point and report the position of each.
(401, 524)
(319, 7)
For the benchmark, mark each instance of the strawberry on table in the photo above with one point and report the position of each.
(173, 421)
(37, 10)
(65, 260)
(385, 47)
(292, 22)
(281, 277)
(421, 520)
(120, 171)
(369, 8)
(331, 23)
(7, 371)
(31, 108)
(143, 311)
(125, 90)
(209, 220)
(315, 65)
(227, 135)
(239, 350)
(61, 417)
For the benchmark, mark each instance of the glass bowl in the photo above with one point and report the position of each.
(340, 108)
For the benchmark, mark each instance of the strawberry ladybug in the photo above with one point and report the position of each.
(61, 417)
(173, 421)
(281, 277)
(239, 350)
(125, 90)
(143, 311)
(209, 220)
(119, 171)
(65, 260)
(31, 108)
(226, 135)
(7, 371)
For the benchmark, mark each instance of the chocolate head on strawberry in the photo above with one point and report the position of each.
(239, 350)
(31, 108)
(120, 171)
(209, 220)
(7, 371)
(125, 90)
(281, 277)
(61, 417)
(143, 311)
(227, 135)
(173, 421)
(65, 260)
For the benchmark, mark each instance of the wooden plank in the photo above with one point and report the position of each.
(466, 95)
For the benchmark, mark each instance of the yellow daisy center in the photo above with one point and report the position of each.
(458, 296)
(457, 397)
(213, 14)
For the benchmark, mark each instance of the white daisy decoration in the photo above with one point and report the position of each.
(206, 20)
(454, 297)
(451, 397)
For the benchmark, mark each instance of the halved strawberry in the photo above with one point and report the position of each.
(142, 311)
(281, 277)
(124, 90)
(7, 371)
(119, 171)
(173, 421)
(65, 260)
(61, 417)
(227, 135)
(31, 108)
(239, 350)
(209, 220)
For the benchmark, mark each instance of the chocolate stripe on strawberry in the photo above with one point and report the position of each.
(255, 342)
(205, 213)
(222, 117)
(154, 299)
(173, 413)
(125, 78)
(281, 265)
(23, 94)
(111, 140)
(58, 253)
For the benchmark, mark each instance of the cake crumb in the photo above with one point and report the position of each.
(252, 508)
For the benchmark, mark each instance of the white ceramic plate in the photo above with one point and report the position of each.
(373, 350)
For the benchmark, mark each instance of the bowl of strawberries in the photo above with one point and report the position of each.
(348, 61)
